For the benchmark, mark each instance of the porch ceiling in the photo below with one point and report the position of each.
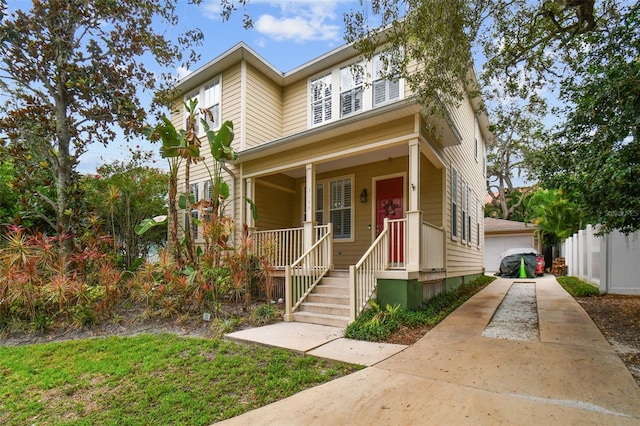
(353, 161)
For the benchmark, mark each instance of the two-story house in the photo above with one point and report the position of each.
(361, 193)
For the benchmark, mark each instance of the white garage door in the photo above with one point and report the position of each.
(495, 245)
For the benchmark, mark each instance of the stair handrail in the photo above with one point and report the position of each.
(308, 270)
(362, 275)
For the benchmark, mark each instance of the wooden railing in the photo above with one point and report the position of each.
(362, 276)
(282, 247)
(432, 242)
(303, 274)
(397, 243)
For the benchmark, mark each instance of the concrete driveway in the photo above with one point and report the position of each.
(455, 376)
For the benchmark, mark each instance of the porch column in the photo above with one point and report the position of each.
(250, 190)
(310, 206)
(414, 215)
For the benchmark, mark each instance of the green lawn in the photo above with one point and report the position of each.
(149, 379)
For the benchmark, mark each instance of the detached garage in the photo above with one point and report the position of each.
(501, 235)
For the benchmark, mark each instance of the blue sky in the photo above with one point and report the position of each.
(285, 33)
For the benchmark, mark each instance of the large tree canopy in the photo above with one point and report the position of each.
(596, 153)
(72, 69)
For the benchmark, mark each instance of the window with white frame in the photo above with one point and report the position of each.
(340, 208)
(454, 202)
(384, 90)
(211, 102)
(321, 99)
(351, 89)
(208, 97)
(194, 189)
(470, 216)
(464, 199)
(480, 218)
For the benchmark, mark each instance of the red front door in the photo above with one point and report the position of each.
(389, 204)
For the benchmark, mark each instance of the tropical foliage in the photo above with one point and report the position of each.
(123, 194)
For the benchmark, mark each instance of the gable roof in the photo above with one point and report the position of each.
(494, 226)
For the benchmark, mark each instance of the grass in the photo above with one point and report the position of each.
(377, 324)
(149, 379)
(578, 288)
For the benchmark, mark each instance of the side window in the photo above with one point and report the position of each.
(340, 208)
(383, 90)
(320, 98)
(195, 214)
(469, 215)
(463, 197)
(351, 89)
(480, 218)
(454, 203)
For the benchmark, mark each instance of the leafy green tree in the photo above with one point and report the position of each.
(555, 214)
(9, 198)
(123, 194)
(595, 158)
(71, 70)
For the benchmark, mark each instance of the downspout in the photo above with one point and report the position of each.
(231, 196)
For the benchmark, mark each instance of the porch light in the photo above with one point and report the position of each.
(363, 196)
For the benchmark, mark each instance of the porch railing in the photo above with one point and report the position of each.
(282, 247)
(432, 256)
(397, 243)
(303, 274)
(362, 276)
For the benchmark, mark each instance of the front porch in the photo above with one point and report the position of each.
(336, 298)
(371, 204)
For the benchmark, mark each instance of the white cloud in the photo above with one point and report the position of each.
(212, 9)
(302, 21)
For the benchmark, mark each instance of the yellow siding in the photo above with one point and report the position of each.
(294, 112)
(230, 103)
(431, 192)
(275, 200)
(464, 258)
(264, 109)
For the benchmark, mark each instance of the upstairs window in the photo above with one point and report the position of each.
(211, 101)
(383, 90)
(208, 97)
(351, 89)
(321, 99)
(340, 208)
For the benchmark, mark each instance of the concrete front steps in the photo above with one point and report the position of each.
(328, 303)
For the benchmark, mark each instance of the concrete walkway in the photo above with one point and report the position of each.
(454, 376)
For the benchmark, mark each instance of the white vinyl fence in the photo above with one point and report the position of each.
(611, 262)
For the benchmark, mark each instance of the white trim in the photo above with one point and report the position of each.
(243, 104)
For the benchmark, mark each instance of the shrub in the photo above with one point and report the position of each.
(376, 325)
(578, 288)
(265, 314)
